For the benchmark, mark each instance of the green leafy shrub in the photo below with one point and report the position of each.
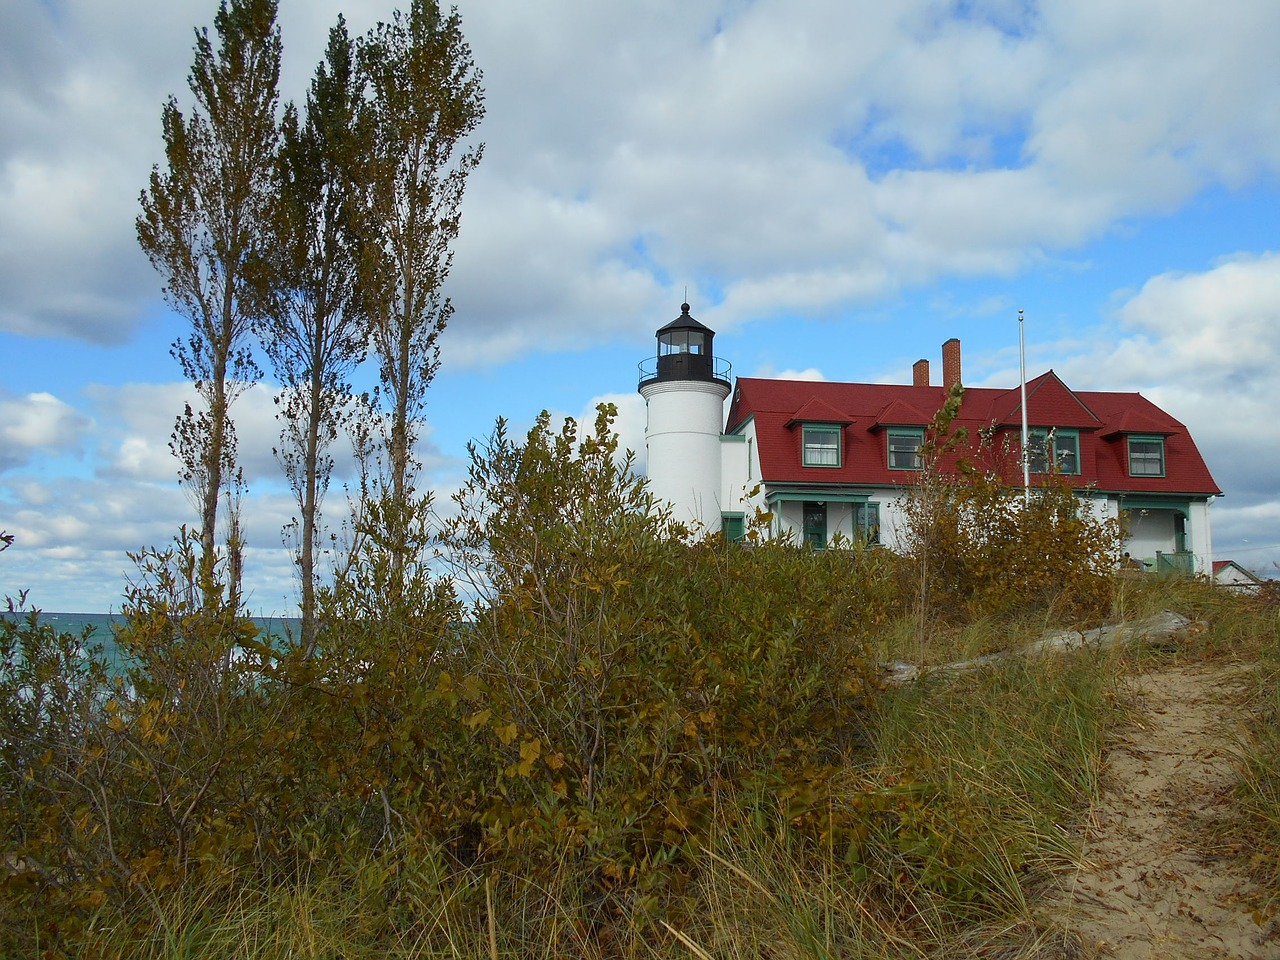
(560, 717)
(376, 707)
(977, 546)
(634, 683)
(52, 686)
(143, 781)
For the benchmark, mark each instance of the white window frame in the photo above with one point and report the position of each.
(814, 454)
(915, 434)
(1157, 457)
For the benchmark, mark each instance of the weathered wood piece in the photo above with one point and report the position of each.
(1162, 626)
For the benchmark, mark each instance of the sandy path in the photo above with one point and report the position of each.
(1147, 888)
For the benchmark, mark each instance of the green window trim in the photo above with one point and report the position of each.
(1066, 450)
(866, 522)
(821, 445)
(1146, 456)
(904, 447)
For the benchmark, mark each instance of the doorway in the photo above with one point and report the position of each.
(815, 525)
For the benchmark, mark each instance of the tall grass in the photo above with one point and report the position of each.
(938, 835)
(1257, 625)
(964, 808)
(1002, 761)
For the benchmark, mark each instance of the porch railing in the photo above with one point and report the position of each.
(1179, 562)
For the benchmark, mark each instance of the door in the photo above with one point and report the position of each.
(815, 525)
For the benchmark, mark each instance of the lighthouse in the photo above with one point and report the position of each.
(684, 388)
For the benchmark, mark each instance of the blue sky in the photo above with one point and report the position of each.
(839, 186)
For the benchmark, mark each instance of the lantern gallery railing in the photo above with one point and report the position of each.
(685, 366)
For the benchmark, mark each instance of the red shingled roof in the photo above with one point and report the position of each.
(1047, 398)
(1103, 419)
(815, 411)
(899, 413)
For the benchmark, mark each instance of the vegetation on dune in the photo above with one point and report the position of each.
(1258, 794)
(619, 741)
(980, 547)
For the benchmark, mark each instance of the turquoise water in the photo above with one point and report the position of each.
(100, 625)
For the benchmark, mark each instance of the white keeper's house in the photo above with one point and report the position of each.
(827, 458)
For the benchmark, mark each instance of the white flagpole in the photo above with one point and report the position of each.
(1026, 453)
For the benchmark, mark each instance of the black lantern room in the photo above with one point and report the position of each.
(684, 352)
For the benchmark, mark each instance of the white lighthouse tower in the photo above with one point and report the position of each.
(684, 389)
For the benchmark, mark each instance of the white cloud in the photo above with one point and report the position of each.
(1151, 99)
(633, 149)
(73, 532)
(809, 373)
(629, 424)
(74, 158)
(1246, 533)
(1215, 332)
(1205, 347)
(1221, 326)
(82, 513)
(72, 536)
(38, 423)
(138, 422)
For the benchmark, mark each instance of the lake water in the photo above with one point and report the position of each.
(102, 632)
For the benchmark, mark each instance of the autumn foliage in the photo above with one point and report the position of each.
(977, 545)
(555, 683)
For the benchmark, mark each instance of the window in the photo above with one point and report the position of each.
(1146, 456)
(822, 446)
(1066, 451)
(866, 522)
(904, 448)
(681, 341)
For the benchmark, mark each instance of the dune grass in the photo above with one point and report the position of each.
(943, 828)
(1256, 627)
(943, 821)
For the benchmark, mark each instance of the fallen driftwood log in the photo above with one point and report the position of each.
(1162, 626)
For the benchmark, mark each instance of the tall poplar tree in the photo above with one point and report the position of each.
(311, 327)
(202, 226)
(425, 99)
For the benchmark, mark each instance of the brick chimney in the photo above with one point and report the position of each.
(951, 363)
(920, 374)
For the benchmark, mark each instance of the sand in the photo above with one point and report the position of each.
(1153, 882)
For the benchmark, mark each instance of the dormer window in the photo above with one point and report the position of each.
(904, 447)
(821, 445)
(1053, 451)
(1146, 456)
